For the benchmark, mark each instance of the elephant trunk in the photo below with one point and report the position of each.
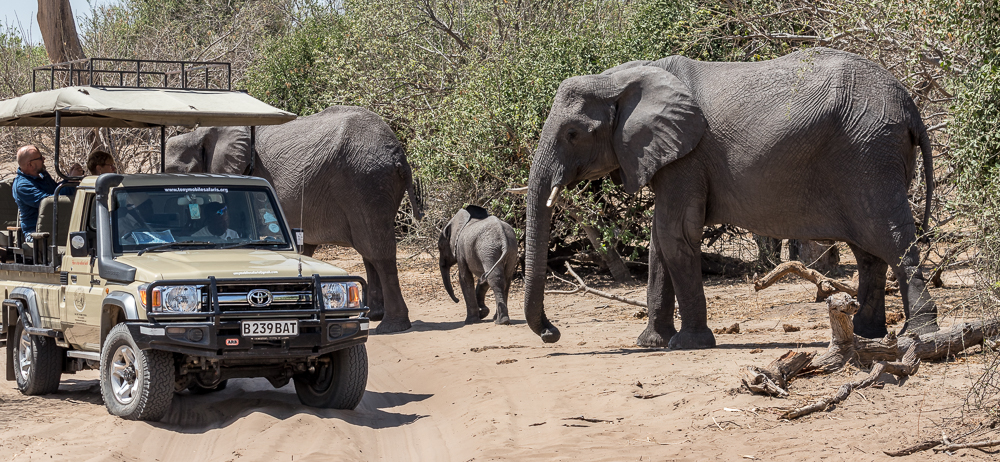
(537, 229)
(446, 277)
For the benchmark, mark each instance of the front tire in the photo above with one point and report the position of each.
(339, 384)
(136, 384)
(37, 361)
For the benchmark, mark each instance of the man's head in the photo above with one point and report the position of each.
(101, 162)
(30, 161)
(217, 218)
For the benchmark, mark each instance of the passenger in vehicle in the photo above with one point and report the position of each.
(217, 222)
(33, 183)
(101, 162)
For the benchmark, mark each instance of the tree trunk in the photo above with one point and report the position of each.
(821, 256)
(612, 260)
(55, 20)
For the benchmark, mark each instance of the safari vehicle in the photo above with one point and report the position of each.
(167, 282)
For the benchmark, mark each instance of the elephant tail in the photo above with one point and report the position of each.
(503, 253)
(928, 158)
(411, 191)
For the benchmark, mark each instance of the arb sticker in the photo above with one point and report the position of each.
(232, 341)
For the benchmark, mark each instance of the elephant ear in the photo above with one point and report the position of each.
(625, 66)
(231, 150)
(457, 223)
(657, 121)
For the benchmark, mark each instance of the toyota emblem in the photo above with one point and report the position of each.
(259, 298)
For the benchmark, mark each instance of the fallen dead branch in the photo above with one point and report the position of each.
(980, 444)
(825, 286)
(848, 349)
(582, 287)
(587, 419)
(907, 367)
(913, 449)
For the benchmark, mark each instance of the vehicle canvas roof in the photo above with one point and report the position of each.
(87, 106)
(181, 180)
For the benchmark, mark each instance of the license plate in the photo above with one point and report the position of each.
(282, 329)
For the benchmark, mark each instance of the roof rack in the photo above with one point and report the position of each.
(135, 73)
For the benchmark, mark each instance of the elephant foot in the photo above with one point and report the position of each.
(389, 326)
(502, 320)
(920, 325)
(651, 338)
(472, 319)
(483, 312)
(696, 340)
(869, 331)
(376, 314)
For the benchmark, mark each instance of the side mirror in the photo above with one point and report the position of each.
(78, 244)
(299, 238)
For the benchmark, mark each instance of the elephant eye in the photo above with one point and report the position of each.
(571, 134)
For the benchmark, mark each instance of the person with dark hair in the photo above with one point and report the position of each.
(101, 162)
(33, 183)
(216, 222)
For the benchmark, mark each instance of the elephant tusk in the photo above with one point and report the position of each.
(553, 196)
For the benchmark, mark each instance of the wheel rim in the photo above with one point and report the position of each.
(24, 353)
(124, 379)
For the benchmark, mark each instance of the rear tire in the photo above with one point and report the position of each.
(136, 384)
(37, 361)
(339, 385)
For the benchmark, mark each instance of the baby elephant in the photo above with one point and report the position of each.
(485, 248)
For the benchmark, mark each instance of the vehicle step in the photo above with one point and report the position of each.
(84, 355)
(44, 332)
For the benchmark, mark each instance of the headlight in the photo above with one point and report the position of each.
(173, 299)
(338, 295)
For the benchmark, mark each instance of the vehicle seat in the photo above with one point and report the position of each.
(8, 216)
(44, 224)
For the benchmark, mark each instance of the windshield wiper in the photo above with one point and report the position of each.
(172, 244)
(248, 243)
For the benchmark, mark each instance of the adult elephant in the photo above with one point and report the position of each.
(818, 144)
(339, 174)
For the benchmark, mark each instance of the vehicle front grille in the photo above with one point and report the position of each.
(233, 297)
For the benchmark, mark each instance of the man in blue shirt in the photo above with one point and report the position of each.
(32, 185)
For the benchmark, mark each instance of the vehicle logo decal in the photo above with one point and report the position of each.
(79, 301)
(259, 298)
(232, 341)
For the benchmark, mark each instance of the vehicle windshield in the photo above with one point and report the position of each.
(150, 218)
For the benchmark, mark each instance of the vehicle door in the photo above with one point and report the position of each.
(84, 290)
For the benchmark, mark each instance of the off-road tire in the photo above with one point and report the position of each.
(44, 360)
(152, 372)
(341, 385)
(196, 389)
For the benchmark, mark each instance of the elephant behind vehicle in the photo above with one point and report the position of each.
(339, 174)
(819, 144)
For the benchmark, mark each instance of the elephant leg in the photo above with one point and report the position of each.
(481, 289)
(309, 249)
(397, 315)
(468, 283)
(918, 306)
(679, 227)
(659, 300)
(500, 288)
(374, 297)
(896, 245)
(869, 322)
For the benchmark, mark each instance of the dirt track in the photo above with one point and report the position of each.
(446, 391)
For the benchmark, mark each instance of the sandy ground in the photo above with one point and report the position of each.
(444, 391)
